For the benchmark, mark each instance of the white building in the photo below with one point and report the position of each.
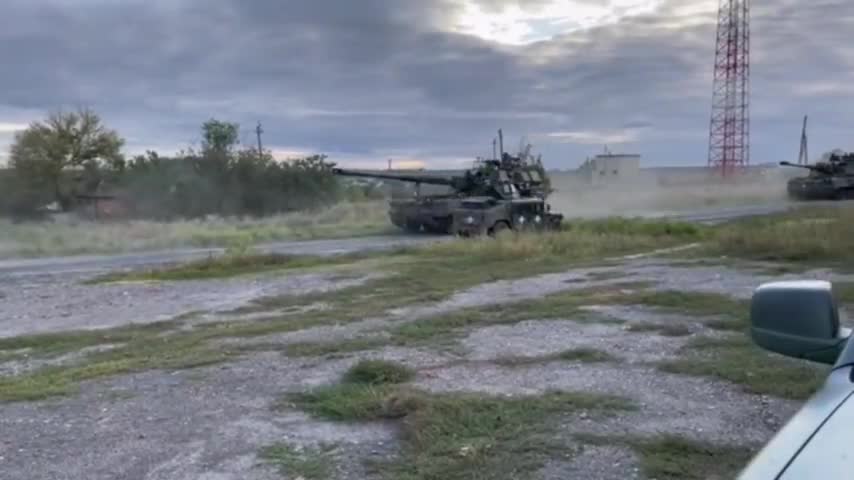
(610, 168)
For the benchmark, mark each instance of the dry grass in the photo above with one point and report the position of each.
(808, 235)
(84, 237)
(578, 240)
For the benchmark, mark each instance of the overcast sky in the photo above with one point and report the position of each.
(428, 80)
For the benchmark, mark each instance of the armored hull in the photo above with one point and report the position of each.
(820, 188)
(424, 214)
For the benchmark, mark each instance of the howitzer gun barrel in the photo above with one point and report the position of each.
(808, 167)
(428, 179)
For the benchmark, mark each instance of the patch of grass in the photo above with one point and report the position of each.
(457, 436)
(378, 372)
(563, 305)
(225, 266)
(584, 355)
(805, 235)
(319, 349)
(739, 361)
(670, 457)
(695, 303)
(451, 436)
(665, 329)
(732, 313)
(306, 463)
(168, 353)
(53, 344)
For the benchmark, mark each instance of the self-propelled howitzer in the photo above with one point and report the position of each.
(830, 180)
(485, 199)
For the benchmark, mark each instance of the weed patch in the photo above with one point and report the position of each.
(584, 355)
(739, 361)
(378, 372)
(305, 463)
(672, 457)
(457, 436)
(320, 349)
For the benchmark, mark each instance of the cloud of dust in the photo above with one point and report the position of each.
(654, 195)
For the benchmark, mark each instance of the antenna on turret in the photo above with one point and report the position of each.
(501, 142)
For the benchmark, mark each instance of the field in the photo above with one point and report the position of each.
(73, 237)
(613, 349)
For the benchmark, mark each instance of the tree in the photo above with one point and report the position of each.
(45, 153)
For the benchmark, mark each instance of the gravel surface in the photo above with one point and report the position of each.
(61, 302)
(543, 338)
(209, 423)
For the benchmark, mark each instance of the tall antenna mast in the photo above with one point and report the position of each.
(729, 132)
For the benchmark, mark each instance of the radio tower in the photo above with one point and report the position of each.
(729, 135)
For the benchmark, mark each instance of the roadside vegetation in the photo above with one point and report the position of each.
(342, 220)
(822, 236)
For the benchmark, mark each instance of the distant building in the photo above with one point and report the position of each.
(610, 168)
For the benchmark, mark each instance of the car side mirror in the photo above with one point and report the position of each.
(798, 319)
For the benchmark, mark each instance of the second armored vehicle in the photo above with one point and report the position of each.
(829, 180)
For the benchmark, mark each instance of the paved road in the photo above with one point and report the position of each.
(99, 263)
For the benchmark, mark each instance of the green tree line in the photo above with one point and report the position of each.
(72, 156)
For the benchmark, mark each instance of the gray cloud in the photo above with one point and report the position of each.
(367, 79)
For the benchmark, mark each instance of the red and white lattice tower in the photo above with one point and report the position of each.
(729, 135)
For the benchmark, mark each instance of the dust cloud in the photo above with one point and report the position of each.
(654, 196)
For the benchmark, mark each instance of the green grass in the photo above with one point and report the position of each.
(670, 457)
(584, 355)
(225, 266)
(306, 463)
(378, 372)
(457, 436)
(319, 349)
(738, 360)
(344, 220)
(733, 313)
(807, 235)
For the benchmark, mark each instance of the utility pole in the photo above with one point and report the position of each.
(258, 132)
(494, 153)
(803, 157)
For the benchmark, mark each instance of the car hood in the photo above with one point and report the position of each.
(816, 442)
(829, 452)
